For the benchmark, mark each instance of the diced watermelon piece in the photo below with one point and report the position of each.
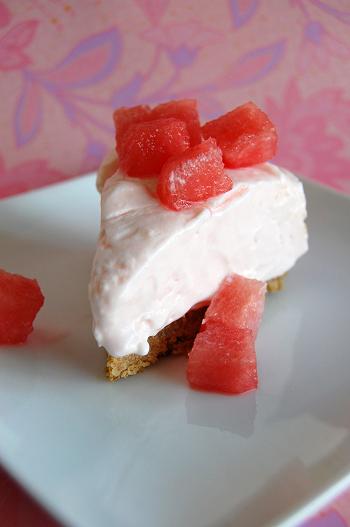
(184, 110)
(20, 301)
(123, 117)
(145, 147)
(194, 175)
(245, 135)
(239, 302)
(223, 355)
(223, 360)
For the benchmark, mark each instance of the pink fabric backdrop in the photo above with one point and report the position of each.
(65, 65)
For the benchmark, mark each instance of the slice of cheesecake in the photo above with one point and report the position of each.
(152, 265)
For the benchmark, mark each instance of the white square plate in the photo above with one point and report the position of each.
(148, 451)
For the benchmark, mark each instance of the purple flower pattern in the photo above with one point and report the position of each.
(95, 74)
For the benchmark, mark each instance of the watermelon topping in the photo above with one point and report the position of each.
(194, 175)
(245, 135)
(124, 117)
(185, 110)
(223, 355)
(166, 141)
(20, 301)
(145, 147)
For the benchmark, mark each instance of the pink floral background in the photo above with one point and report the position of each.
(65, 65)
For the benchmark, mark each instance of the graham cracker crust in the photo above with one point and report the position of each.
(176, 338)
(276, 284)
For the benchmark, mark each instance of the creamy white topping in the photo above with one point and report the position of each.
(152, 264)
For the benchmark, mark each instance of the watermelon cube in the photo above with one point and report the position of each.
(124, 117)
(223, 360)
(20, 301)
(145, 147)
(192, 176)
(185, 110)
(223, 355)
(239, 303)
(245, 135)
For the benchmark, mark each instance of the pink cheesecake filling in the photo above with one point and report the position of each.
(152, 264)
